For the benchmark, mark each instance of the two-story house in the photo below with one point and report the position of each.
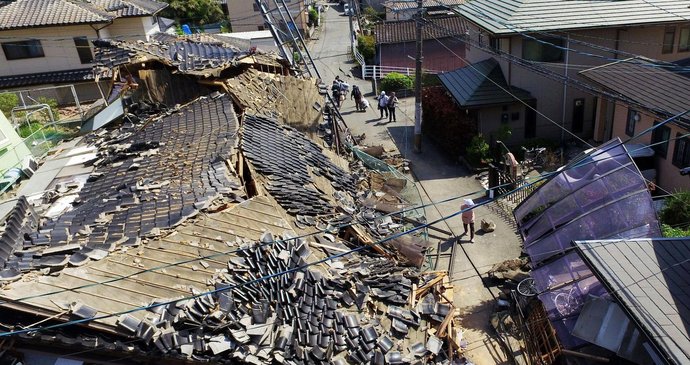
(48, 42)
(245, 16)
(651, 95)
(542, 45)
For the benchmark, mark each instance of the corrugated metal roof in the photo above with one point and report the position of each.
(654, 88)
(38, 13)
(651, 279)
(511, 16)
(404, 31)
(481, 84)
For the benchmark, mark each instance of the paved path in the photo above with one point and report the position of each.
(439, 178)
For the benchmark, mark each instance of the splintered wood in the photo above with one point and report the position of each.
(438, 284)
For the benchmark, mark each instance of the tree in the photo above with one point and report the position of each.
(194, 11)
(366, 45)
(675, 216)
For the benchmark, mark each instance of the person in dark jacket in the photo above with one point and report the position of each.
(357, 95)
(392, 104)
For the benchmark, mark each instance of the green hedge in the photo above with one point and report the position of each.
(395, 81)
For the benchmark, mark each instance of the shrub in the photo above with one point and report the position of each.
(313, 17)
(366, 45)
(372, 15)
(395, 81)
(676, 211)
(7, 102)
(52, 103)
(478, 150)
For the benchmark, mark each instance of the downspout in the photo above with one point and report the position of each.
(618, 40)
(565, 92)
(510, 64)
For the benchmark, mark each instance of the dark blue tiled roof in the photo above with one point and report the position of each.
(481, 84)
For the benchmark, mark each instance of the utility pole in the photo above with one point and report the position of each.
(418, 81)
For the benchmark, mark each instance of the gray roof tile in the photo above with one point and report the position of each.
(651, 279)
(481, 83)
(652, 87)
(38, 13)
(404, 31)
(513, 16)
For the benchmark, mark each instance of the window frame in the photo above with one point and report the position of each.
(84, 58)
(684, 47)
(666, 44)
(558, 42)
(630, 122)
(681, 152)
(661, 133)
(32, 45)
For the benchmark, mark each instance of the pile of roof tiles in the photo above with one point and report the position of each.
(271, 306)
(148, 178)
(187, 56)
(285, 157)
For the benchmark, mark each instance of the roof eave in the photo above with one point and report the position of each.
(55, 25)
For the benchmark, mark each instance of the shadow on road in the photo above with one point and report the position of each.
(432, 163)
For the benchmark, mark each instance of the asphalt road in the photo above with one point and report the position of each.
(439, 177)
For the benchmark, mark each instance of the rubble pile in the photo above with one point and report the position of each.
(271, 306)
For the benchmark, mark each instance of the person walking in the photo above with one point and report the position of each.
(468, 217)
(335, 89)
(383, 104)
(392, 103)
(357, 95)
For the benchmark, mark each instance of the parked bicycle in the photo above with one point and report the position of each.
(534, 157)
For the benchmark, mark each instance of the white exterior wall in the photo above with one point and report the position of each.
(12, 149)
(59, 51)
(243, 18)
(58, 48)
(130, 29)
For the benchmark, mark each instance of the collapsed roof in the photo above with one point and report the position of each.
(202, 235)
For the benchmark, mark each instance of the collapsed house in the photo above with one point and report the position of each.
(600, 290)
(211, 221)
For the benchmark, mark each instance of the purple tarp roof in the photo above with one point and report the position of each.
(598, 196)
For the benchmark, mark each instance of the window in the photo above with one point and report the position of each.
(515, 116)
(495, 43)
(633, 117)
(669, 40)
(83, 49)
(684, 39)
(543, 50)
(681, 153)
(23, 49)
(661, 134)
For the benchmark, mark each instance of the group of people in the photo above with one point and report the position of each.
(387, 105)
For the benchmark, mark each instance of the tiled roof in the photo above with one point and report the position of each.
(188, 56)
(129, 8)
(404, 31)
(651, 279)
(143, 183)
(38, 13)
(481, 84)
(512, 16)
(654, 88)
(54, 77)
(397, 5)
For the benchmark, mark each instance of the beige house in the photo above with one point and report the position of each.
(530, 38)
(245, 15)
(48, 42)
(650, 97)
